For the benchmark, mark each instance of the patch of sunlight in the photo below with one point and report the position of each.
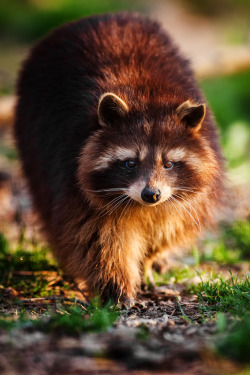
(240, 175)
(237, 140)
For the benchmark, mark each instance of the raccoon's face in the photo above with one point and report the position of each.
(148, 164)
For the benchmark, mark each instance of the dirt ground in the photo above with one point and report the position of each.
(174, 347)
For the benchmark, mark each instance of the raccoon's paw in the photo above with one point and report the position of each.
(111, 292)
(126, 303)
(117, 294)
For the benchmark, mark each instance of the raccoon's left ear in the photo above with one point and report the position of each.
(191, 114)
(111, 108)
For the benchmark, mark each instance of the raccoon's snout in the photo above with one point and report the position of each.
(150, 195)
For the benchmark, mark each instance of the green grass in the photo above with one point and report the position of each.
(236, 344)
(76, 319)
(69, 320)
(225, 299)
(175, 276)
(25, 256)
(228, 296)
(65, 318)
(231, 300)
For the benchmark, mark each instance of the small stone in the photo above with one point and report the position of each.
(171, 323)
(191, 330)
(164, 318)
(173, 337)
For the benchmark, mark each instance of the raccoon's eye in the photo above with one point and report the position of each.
(169, 165)
(130, 164)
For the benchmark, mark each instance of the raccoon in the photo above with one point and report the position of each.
(119, 148)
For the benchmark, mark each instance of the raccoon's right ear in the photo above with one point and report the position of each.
(192, 114)
(110, 108)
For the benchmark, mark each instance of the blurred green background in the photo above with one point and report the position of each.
(27, 20)
(229, 97)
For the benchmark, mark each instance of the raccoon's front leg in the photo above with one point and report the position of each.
(114, 264)
(148, 272)
(156, 261)
(117, 277)
(120, 277)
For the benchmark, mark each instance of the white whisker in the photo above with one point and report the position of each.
(190, 190)
(111, 202)
(179, 196)
(123, 210)
(187, 212)
(171, 200)
(117, 205)
(109, 210)
(107, 190)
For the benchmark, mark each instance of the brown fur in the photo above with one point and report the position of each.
(66, 123)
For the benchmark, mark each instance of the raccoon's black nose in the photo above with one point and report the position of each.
(150, 195)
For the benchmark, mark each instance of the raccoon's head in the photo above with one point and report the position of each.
(148, 159)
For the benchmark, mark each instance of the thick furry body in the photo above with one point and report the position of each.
(74, 156)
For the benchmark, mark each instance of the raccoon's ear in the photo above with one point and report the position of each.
(191, 114)
(111, 108)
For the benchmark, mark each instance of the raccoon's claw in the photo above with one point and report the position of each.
(126, 303)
